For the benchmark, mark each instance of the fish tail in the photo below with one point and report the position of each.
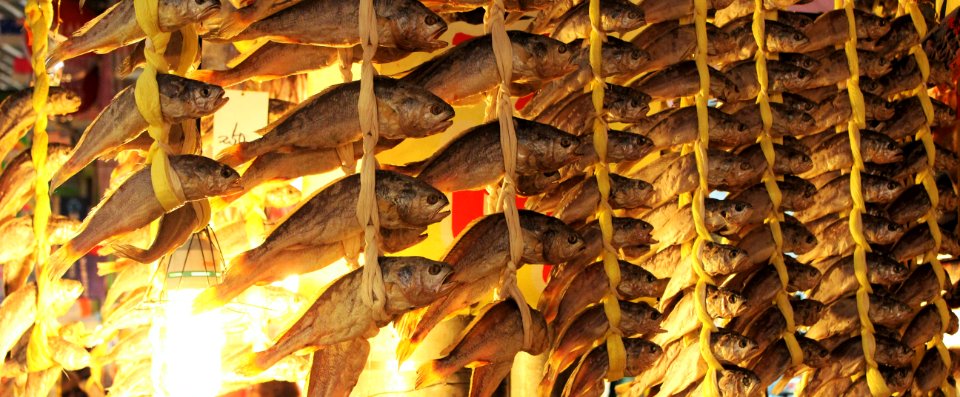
(234, 155)
(257, 362)
(410, 169)
(431, 373)
(105, 268)
(60, 261)
(212, 298)
(131, 252)
(406, 327)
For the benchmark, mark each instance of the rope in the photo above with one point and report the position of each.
(615, 350)
(372, 289)
(39, 16)
(875, 381)
(770, 182)
(503, 53)
(707, 327)
(926, 178)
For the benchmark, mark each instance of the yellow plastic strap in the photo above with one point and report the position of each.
(39, 16)
(707, 326)
(770, 182)
(611, 306)
(372, 289)
(875, 381)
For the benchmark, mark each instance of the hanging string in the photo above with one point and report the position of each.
(39, 16)
(926, 177)
(503, 53)
(770, 182)
(371, 287)
(707, 326)
(611, 306)
(875, 381)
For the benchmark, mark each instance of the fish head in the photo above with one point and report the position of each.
(732, 347)
(799, 60)
(395, 240)
(413, 281)
(807, 311)
(725, 303)
(802, 277)
(622, 16)
(534, 184)
(798, 239)
(629, 193)
(799, 103)
(723, 258)
(943, 114)
(883, 149)
(881, 231)
(545, 148)
(621, 57)
(734, 213)
(734, 381)
(627, 146)
(413, 26)
(888, 311)
(416, 203)
(794, 78)
(871, 86)
(543, 58)
(875, 26)
(556, 241)
(203, 177)
(814, 354)
(898, 379)
(798, 121)
(797, 162)
(641, 354)
(637, 282)
(878, 108)
(639, 318)
(886, 269)
(626, 105)
(784, 38)
(630, 232)
(63, 101)
(174, 14)
(878, 189)
(182, 98)
(421, 112)
(873, 64)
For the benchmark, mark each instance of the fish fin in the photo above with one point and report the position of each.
(105, 268)
(131, 252)
(211, 298)
(431, 373)
(206, 76)
(251, 364)
(60, 261)
(411, 169)
(485, 379)
(406, 326)
(234, 155)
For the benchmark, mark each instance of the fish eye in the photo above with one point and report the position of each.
(733, 299)
(746, 381)
(743, 343)
(573, 239)
(891, 227)
(741, 127)
(199, 2)
(891, 145)
(652, 349)
(633, 15)
(565, 142)
(205, 92)
(435, 269)
(226, 172)
(433, 199)
(431, 20)
(634, 103)
(562, 49)
(636, 54)
(892, 185)
(436, 109)
(811, 240)
(798, 36)
(739, 207)
(654, 315)
(731, 254)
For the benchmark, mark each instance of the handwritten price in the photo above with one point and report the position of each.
(234, 137)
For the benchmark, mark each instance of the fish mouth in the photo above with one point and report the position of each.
(234, 188)
(439, 216)
(446, 286)
(442, 126)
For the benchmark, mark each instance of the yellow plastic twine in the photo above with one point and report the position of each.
(926, 178)
(875, 381)
(611, 306)
(503, 53)
(770, 182)
(372, 288)
(700, 153)
(39, 15)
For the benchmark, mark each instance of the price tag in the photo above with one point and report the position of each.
(238, 120)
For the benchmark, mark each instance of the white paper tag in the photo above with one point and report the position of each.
(238, 120)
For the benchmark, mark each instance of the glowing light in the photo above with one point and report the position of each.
(291, 283)
(187, 348)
